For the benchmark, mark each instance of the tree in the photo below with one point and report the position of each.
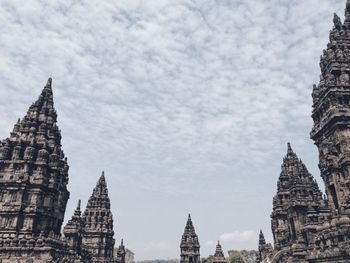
(235, 256)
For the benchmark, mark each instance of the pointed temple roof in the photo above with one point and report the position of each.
(189, 237)
(261, 238)
(121, 250)
(36, 136)
(75, 224)
(97, 214)
(40, 122)
(219, 256)
(295, 180)
(32, 155)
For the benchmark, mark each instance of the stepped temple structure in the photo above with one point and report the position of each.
(190, 247)
(190, 244)
(306, 226)
(265, 249)
(218, 255)
(34, 195)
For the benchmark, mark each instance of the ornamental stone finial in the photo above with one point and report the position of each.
(337, 22)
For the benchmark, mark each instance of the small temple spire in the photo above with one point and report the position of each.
(121, 252)
(101, 186)
(264, 248)
(289, 149)
(337, 22)
(49, 83)
(189, 244)
(219, 254)
(77, 211)
(261, 238)
(98, 220)
(189, 225)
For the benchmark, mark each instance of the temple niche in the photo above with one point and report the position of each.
(308, 226)
(34, 196)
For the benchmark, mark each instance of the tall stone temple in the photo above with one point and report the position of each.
(34, 195)
(190, 244)
(307, 226)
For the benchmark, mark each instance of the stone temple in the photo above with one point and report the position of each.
(34, 195)
(307, 226)
(190, 247)
(189, 244)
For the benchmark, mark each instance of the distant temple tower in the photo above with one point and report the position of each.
(121, 252)
(297, 197)
(98, 229)
(190, 244)
(331, 115)
(219, 256)
(265, 249)
(73, 230)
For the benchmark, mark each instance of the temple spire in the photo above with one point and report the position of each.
(261, 238)
(189, 244)
(121, 252)
(35, 143)
(289, 149)
(219, 256)
(77, 211)
(98, 221)
(337, 22)
(264, 248)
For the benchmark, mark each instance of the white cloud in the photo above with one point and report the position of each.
(239, 236)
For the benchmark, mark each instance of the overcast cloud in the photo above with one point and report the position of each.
(186, 105)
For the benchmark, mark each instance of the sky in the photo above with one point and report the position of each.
(187, 106)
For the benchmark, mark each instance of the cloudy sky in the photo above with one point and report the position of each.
(186, 105)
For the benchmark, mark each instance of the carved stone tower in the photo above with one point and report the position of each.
(265, 249)
(190, 244)
(297, 194)
(219, 256)
(33, 183)
(73, 230)
(98, 230)
(33, 173)
(331, 115)
(121, 252)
